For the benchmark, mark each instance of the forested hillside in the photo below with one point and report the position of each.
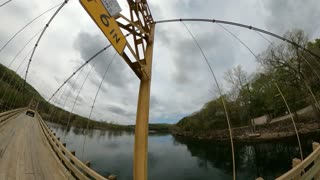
(295, 72)
(12, 95)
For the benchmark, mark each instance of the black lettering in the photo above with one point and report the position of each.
(116, 38)
(104, 19)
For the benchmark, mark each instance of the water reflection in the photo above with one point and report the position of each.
(178, 158)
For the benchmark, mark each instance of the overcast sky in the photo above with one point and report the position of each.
(181, 81)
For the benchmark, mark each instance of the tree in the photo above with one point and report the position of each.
(290, 68)
(240, 91)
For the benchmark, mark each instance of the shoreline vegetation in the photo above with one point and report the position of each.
(257, 103)
(280, 130)
(256, 109)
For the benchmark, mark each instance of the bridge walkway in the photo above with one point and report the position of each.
(25, 153)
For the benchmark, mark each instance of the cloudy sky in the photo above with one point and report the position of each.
(182, 82)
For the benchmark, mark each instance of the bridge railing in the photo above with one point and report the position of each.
(76, 167)
(11, 111)
(309, 168)
(6, 115)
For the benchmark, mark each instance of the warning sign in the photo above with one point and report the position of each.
(108, 25)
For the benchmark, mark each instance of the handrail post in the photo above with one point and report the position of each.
(112, 177)
(315, 146)
(88, 163)
(296, 162)
(74, 154)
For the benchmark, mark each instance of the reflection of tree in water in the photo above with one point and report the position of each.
(101, 134)
(158, 134)
(114, 134)
(218, 156)
(61, 128)
(89, 133)
(267, 159)
(66, 131)
(77, 131)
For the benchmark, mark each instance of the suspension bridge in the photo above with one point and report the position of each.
(29, 149)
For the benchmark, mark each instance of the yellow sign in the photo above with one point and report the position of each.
(106, 23)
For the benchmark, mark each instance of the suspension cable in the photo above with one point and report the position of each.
(239, 40)
(291, 116)
(5, 3)
(222, 100)
(66, 99)
(300, 73)
(261, 35)
(12, 77)
(56, 104)
(20, 85)
(77, 70)
(76, 99)
(242, 26)
(25, 45)
(13, 60)
(70, 90)
(41, 35)
(288, 108)
(20, 30)
(94, 101)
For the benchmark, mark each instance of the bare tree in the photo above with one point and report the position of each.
(240, 90)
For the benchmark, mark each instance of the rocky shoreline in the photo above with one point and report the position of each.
(267, 132)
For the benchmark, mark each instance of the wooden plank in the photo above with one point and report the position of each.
(311, 173)
(7, 116)
(11, 111)
(20, 173)
(28, 169)
(60, 149)
(37, 152)
(29, 177)
(3, 176)
(297, 169)
(315, 145)
(10, 160)
(74, 169)
(27, 156)
(296, 162)
(68, 163)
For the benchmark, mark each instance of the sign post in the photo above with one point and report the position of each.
(137, 53)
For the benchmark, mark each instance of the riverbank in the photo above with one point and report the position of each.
(267, 132)
(81, 122)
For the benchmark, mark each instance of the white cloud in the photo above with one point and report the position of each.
(182, 82)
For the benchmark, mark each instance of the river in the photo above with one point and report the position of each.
(180, 158)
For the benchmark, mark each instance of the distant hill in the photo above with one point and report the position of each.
(11, 88)
(11, 95)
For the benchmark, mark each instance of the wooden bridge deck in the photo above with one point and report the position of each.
(25, 153)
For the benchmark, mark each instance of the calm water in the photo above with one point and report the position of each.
(176, 158)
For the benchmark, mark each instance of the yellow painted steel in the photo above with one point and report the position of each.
(106, 23)
(142, 119)
(140, 27)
